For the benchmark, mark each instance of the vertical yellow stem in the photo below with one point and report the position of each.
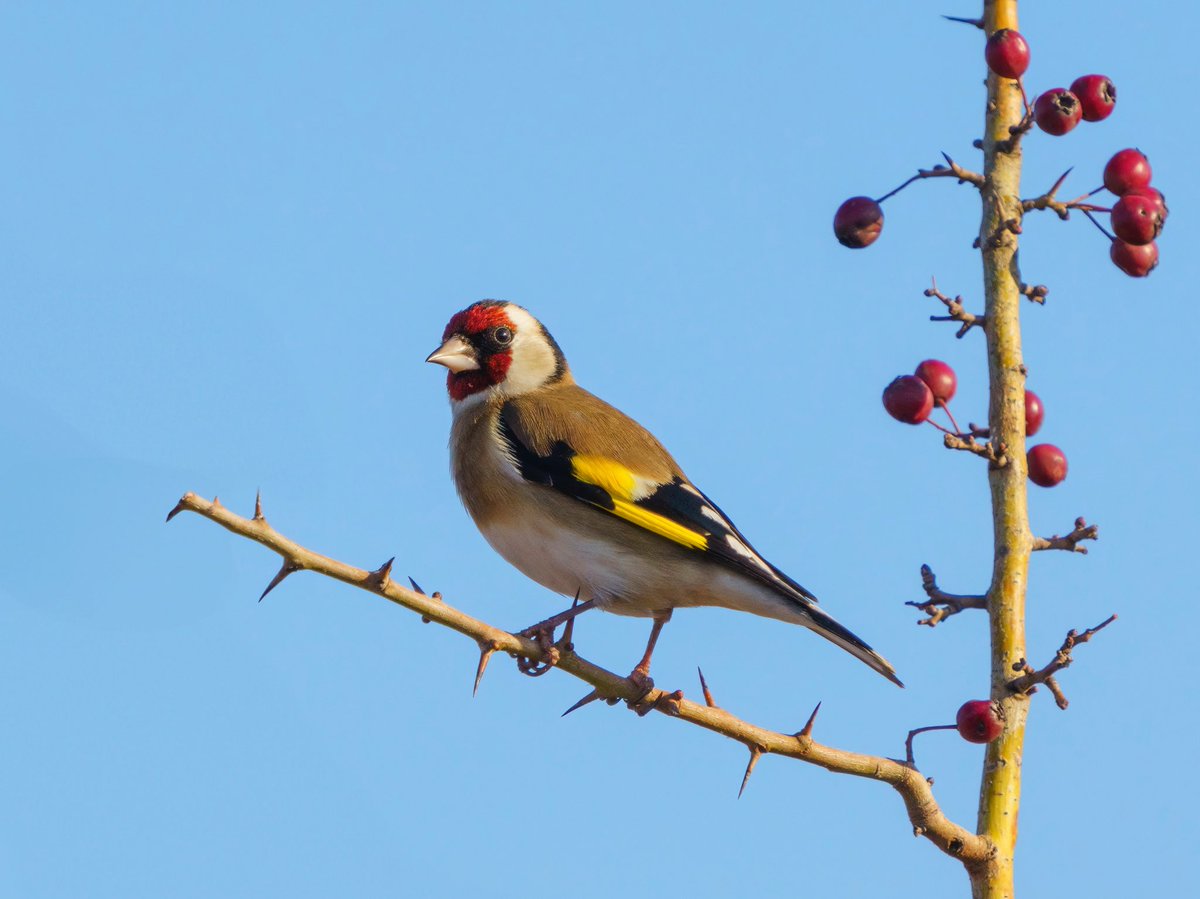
(1000, 791)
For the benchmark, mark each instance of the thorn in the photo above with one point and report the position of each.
(1057, 184)
(382, 574)
(591, 697)
(258, 513)
(807, 729)
(708, 699)
(416, 586)
(216, 502)
(287, 568)
(755, 755)
(978, 23)
(569, 630)
(485, 656)
(179, 507)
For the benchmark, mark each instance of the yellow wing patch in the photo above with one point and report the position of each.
(620, 483)
(612, 477)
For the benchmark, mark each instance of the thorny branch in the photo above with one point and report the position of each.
(954, 306)
(927, 818)
(941, 605)
(951, 170)
(1063, 209)
(1070, 543)
(1031, 677)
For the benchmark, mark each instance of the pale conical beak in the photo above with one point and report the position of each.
(456, 354)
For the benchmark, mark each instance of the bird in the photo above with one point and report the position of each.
(586, 502)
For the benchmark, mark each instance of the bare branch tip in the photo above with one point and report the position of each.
(1071, 541)
(1030, 677)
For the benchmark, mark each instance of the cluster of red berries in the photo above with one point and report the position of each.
(1140, 211)
(1091, 98)
(1138, 215)
(912, 398)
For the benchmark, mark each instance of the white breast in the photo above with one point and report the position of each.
(560, 559)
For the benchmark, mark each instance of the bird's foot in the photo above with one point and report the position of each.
(641, 679)
(551, 624)
(542, 634)
(544, 638)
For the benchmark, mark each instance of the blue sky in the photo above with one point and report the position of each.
(229, 238)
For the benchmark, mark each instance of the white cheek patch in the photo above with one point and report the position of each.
(533, 359)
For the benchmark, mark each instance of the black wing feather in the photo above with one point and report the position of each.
(676, 500)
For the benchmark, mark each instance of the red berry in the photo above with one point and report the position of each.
(1047, 465)
(1136, 219)
(1137, 262)
(1154, 194)
(857, 222)
(979, 721)
(1097, 95)
(1057, 111)
(940, 379)
(1126, 170)
(1007, 53)
(1034, 413)
(908, 399)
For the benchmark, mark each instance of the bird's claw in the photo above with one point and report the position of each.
(645, 685)
(542, 634)
(544, 638)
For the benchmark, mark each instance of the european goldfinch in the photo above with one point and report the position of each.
(585, 501)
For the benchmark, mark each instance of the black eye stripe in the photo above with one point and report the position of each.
(494, 340)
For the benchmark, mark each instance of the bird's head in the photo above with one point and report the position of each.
(494, 348)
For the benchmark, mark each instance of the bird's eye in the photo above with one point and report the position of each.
(502, 335)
